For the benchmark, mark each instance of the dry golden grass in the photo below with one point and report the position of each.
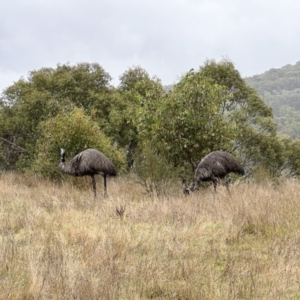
(57, 242)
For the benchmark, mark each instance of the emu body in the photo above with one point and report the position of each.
(88, 162)
(213, 167)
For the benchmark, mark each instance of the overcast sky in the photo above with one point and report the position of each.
(167, 38)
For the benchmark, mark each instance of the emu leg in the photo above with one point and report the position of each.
(194, 185)
(215, 182)
(226, 183)
(104, 179)
(94, 186)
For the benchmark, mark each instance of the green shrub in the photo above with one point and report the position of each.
(74, 132)
(154, 172)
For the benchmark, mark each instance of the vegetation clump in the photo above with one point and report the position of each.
(142, 127)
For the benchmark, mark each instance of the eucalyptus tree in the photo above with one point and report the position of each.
(44, 94)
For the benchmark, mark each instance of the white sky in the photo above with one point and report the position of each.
(167, 38)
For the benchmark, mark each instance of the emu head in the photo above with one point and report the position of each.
(187, 191)
(62, 154)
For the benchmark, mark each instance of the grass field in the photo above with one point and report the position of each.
(57, 242)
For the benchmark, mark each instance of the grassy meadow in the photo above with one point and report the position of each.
(58, 242)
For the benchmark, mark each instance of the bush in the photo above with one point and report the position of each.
(154, 172)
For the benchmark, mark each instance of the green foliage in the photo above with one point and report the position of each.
(209, 109)
(292, 152)
(138, 80)
(45, 94)
(74, 132)
(188, 123)
(255, 131)
(154, 172)
(21, 112)
(280, 88)
(120, 122)
(212, 109)
(84, 85)
(288, 121)
(139, 94)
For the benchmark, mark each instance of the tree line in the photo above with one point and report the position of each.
(280, 88)
(162, 132)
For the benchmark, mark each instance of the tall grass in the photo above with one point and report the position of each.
(57, 242)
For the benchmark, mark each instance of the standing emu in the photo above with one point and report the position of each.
(88, 162)
(216, 165)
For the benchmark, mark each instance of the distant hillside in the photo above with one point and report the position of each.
(280, 88)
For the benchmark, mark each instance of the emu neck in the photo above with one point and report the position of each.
(65, 168)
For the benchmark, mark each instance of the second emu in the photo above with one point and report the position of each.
(213, 167)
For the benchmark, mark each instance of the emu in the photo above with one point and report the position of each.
(214, 166)
(88, 162)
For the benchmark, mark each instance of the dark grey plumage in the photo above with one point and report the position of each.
(216, 165)
(88, 162)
